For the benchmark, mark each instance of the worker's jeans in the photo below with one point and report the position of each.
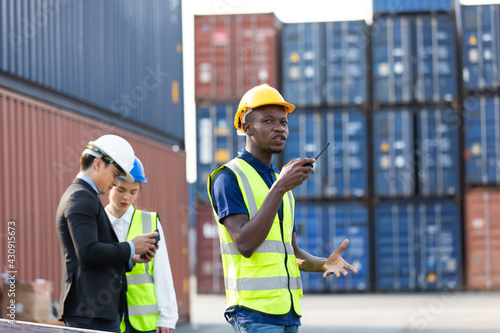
(260, 327)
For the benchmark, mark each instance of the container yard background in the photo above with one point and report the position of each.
(409, 99)
(407, 94)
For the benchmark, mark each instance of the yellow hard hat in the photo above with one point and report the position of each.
(258, 96)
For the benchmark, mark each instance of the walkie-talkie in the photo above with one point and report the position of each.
(310, 164)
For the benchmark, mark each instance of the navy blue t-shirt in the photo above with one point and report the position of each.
(228, 200)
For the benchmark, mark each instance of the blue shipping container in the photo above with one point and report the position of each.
(481, 46)
(123, 56)
(437, 151)
(217, 142)
(417, 245)
(412, 6)
(303, 48)
(346, 161)
(392, 59)
(346, 63)
(393, 147)
(311, 237)
(349, 220)
(414, 59)
(436, 61)
(306, 138)
(482, 140)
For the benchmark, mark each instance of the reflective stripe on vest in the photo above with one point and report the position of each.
(141, 294)
(261, 282)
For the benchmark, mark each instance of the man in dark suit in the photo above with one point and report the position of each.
(93, 261)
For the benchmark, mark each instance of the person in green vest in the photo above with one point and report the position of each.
(151, 300)
(254, 205)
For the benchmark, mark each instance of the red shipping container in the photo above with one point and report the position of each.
(234, 53)
(210, 275)
(42, 145)
(483, 239)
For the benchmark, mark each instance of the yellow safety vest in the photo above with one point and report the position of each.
(141, 295)
(269, 280)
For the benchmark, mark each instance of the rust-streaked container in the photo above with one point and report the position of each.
(234, 53)
(483, 238)
(41, 147)
(210, 275)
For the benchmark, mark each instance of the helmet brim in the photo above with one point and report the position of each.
(128, 177)
(238, 117)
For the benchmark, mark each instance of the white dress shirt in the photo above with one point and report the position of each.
(162, 275)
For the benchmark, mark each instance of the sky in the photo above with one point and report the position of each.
(287, 11)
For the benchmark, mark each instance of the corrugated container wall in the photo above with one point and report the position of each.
(217, 140)
(311, 237)
(482, 140)
(391, 58)
(417, 245)
(306, 138)
(303, 61)
(209, 271)
(342, 170)
(234, 53)
(321, 228)
(349, 220)
(437, 152)
(481, 47)
(43, 144)
(401, 155)
(346, 63)
(414, 59)
(346, 169)
(123, 56)
(393, 147)
(412, 6)
(483, 239)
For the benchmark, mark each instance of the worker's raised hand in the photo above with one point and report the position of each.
(295, 173)
(335, 264)
(144, 242)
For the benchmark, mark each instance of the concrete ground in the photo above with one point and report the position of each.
(439, 312)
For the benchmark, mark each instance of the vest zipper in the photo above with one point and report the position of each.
(286, 264)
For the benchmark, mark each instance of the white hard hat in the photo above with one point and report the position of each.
(116, 150)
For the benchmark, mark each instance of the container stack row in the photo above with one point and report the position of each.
(417, 215)
(481, 109)
(233, 53)
(325, 75)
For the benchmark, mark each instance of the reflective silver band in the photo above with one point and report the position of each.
(139, 279)
(264, 283)
(146, 229)
(268, 246)
(142, 310)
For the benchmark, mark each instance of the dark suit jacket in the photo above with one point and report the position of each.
(93, 261)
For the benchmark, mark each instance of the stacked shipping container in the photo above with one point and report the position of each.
(481, 81)
(44, 144)
(106, 60)
(415, 146)
(233, 53)
(325, 76)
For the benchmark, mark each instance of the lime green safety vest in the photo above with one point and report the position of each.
(268, 281)
(141, 294)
